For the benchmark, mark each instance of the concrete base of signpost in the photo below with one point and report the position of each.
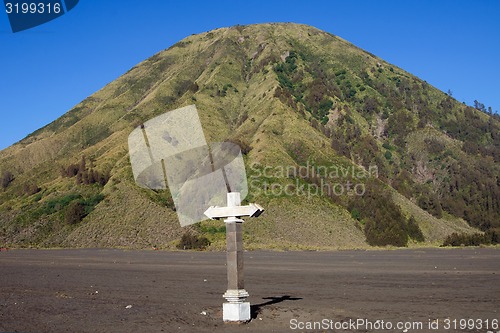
(236, 308)
(236, 312)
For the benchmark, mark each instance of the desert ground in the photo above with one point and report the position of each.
(109, 290)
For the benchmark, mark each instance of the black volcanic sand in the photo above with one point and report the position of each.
(89, 290)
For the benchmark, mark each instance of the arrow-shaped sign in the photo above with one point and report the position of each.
(215, 212)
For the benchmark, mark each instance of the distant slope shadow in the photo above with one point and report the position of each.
(256, 308)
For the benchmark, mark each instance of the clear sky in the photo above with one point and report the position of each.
(45, 71)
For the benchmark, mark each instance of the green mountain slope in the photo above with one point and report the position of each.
(342, 148)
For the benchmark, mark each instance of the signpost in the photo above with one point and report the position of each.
(236, 308)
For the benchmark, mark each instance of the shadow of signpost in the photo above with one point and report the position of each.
(256, 308)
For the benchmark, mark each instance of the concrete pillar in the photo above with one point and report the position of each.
(236, 308)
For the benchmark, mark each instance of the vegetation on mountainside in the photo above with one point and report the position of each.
(7, 178)
(490, 237)
(84, 174)
(293, 98)
(191, 241)
(465, 184)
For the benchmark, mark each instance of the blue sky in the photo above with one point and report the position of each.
(47, 70)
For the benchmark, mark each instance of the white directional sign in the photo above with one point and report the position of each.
(215, 212)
